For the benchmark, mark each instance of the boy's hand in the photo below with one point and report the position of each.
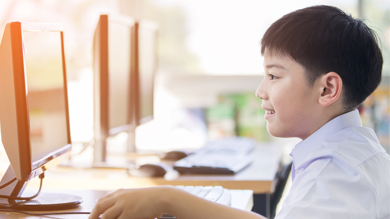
(131, 203)
(152, 202)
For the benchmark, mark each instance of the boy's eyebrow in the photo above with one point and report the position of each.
(275, 66)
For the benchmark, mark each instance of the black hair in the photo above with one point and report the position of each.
(324, 39)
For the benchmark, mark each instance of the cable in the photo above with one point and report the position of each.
(24, 198)
(7, 209)
(43, 214)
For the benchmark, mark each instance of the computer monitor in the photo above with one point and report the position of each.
(124, 69)
(34, 111)
(146, 48)
(113, 67)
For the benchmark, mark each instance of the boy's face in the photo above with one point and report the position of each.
(290, 102)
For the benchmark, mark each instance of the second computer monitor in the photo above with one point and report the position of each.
(113, 61)
(124, 69)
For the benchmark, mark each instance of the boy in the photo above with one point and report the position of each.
(320, 66)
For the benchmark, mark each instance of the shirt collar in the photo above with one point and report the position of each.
(310, 144)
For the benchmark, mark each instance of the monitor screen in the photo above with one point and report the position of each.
(119, 39)
(45, 93)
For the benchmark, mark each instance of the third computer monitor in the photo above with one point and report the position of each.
(147, 67)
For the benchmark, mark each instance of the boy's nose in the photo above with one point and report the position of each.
(260, 92)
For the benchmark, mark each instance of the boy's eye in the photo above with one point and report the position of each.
(272, 77)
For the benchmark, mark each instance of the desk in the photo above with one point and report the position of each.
(241, 199)
(258, 177)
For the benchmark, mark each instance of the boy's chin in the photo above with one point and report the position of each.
(278, 133)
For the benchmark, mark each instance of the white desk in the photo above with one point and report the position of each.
(241, 199)
(258, 177)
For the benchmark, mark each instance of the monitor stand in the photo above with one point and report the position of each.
(100, 153)
(43, 202)
(101, 158)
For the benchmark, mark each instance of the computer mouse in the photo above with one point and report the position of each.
(175, 155)
(149, 170)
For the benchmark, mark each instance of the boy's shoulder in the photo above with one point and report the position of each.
(354, 145)
(342, 140)
(348, 172)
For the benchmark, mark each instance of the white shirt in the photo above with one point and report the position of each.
(340, 171)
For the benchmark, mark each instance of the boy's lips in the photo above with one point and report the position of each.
(268, 112)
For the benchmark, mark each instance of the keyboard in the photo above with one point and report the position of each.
(223, 156)
(212, 193)
(216, 194)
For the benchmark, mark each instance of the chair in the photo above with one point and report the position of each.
(282, 177)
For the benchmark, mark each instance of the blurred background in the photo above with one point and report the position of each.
(209, 63)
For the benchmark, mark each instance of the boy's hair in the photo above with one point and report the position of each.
(324, 39)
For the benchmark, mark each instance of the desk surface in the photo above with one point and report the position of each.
(241, 199)
(259, 176)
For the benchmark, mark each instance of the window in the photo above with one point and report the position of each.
(219, 36)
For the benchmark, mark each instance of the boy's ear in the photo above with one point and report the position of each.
(331, 85)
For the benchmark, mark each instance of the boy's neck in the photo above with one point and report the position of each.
(325, 115)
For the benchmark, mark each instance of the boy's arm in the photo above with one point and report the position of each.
(153, 202)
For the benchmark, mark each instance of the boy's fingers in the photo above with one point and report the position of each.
(101, 206)
(112, 194)
(112, 213)
(125, 216)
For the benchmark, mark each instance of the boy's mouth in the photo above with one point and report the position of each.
(268, 114)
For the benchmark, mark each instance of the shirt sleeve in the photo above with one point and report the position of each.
(326, 189)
